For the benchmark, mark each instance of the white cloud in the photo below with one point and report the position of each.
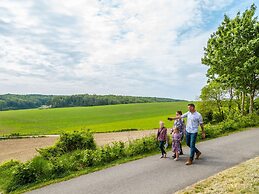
(122, 47)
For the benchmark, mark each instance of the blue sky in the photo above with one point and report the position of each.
(124, 47)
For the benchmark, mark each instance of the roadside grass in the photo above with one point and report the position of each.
(243, 178)
(109, 118)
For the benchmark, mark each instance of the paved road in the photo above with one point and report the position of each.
(152, 175)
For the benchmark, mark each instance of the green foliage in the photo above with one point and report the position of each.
(232, 123)
(78, 140)
(68, 142)
(14, 101)
(231, 54)
(143, 145)
(6, 172)
(36, 170)
(208, 116)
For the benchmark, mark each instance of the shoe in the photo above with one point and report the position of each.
(162, 156)
(197, 155)
(189, 162)
(165, 156)
(175, 159)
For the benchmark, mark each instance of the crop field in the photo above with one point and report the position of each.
(98, 118)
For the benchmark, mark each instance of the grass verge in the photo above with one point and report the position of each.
(243, 178)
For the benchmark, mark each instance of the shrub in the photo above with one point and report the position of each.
(88, 159)
(9, 164)
(38, 169)
(208, 116)
(6, 173)
(68, 142)
(42, 168)
(22, 175)
(50, 152)
(60, 166)
(117, 150)
(140, 146)
(77, 140)
(218, 117)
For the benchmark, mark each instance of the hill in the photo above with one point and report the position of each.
(15, 101)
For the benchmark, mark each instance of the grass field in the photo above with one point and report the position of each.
(98, 118)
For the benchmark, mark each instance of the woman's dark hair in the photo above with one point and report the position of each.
(179, 112)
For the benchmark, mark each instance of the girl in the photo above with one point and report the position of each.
(176, 142)
(162, 137)
(179, 123)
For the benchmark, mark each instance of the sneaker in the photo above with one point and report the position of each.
(175, 159)
(162, 156)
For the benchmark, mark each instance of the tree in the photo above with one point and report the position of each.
(213, 95)
(231, 54)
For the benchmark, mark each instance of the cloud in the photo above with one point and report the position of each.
(146, 48)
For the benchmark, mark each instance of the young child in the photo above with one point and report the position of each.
(176, 142)
(179, 123)
(162, 138)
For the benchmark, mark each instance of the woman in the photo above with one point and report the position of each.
(162, 137)
(179, 123)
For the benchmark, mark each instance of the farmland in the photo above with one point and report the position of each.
(97, 118)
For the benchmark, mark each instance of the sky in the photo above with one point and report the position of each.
(124, 47)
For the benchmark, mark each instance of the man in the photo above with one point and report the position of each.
(194, 119)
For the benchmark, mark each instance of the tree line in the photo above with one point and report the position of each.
(14, 101)
(232, 57)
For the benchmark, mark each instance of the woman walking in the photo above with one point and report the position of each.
(179, 123)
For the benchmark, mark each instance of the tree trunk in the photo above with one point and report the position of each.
(251, 105)
(243, 103)
(231, 99)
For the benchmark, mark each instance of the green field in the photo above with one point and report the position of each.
(98, 118)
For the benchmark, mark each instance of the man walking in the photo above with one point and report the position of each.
(194, 119)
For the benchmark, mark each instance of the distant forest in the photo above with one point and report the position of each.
(14, 101)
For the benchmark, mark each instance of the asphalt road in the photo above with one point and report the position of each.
(153, 175)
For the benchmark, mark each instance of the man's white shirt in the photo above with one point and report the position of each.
(193, 121)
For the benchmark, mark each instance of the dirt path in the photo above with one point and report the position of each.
(25, 149)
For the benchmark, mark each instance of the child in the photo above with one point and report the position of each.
(179, 123)
(176, 142)
(162, 138)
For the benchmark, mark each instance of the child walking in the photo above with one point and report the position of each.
(179, 123)
(162, 138)
(176, 148)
